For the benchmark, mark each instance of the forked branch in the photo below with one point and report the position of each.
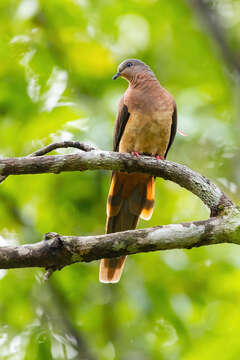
(206, 190)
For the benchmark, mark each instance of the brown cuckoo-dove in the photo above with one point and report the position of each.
(146, 123)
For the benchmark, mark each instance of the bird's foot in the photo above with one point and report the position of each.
(135, 153)
(159, 157)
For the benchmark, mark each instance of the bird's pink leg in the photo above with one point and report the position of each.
(159, 157)
(135, 153)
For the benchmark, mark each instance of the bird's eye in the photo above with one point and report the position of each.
(129, 64)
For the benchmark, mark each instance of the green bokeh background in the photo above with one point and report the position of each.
(57, 60)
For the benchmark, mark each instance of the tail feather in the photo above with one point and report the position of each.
(124, 220)
(130, 196)
(149, 201)
(111, 269)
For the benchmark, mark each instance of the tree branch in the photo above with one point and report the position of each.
(57, 145)
(207, 191)
(57, 251)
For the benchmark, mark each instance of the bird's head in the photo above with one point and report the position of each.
(128, 69)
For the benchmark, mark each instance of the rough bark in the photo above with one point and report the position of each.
(57, 251)
(61, 144)
(206, 190)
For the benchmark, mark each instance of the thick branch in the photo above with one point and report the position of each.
(57, 251)
(207, 191)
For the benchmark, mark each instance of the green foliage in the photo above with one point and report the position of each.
(57, 60)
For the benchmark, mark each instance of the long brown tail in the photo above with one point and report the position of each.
(130, 196)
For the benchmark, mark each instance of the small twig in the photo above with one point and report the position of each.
(48, 274)
(50, 271)
(55, 244)
(58, 145)
(63, 144)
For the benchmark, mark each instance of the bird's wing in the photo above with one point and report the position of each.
(121, 121)
(173, 127)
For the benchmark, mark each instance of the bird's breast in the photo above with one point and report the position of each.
(149, 125)
(146, 133)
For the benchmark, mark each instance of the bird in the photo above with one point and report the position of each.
(146, 123)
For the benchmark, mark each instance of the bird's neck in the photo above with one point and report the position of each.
(144, 80)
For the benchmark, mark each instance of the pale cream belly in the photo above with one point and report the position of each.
(145, 134)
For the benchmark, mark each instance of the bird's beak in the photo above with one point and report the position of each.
(116, 75)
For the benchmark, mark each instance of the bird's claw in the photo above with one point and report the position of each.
(135, 153)
(159, 157)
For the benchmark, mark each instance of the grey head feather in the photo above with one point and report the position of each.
(134, 62)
